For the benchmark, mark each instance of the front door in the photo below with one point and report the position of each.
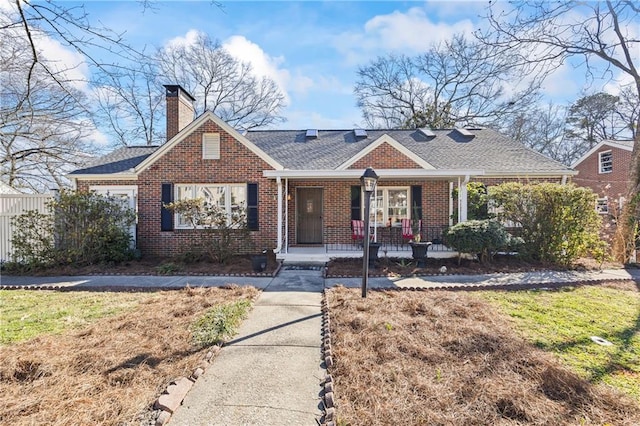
(309, 213)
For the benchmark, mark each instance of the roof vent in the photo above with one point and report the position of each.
(464, 132)
(360, 133)
(428, 133)
(312, 134)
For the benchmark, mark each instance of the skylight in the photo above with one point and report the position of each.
(464, 132)
(312, 133)
(360, 133)
(428, 133)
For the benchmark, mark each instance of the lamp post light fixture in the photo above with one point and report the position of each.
(368, 182)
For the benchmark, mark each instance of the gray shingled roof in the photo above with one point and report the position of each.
(487, 150)
(120, 160)
(448, 149)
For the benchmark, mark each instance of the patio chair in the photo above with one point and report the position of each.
(407, 229)
(357, 230)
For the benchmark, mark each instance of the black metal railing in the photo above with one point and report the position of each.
(390, 238)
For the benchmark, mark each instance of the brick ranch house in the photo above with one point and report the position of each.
(605, 169)
(301, 188)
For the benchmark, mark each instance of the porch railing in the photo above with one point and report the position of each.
(339, 238)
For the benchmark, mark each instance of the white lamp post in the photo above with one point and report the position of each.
(368, 182)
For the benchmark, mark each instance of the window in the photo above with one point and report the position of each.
(231, 198)
(211, 146)
(606, 162)
(389, 206)
(602, 205)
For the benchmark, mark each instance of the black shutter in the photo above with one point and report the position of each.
(356, 202)
(252, 206)
(166, 215)
(416, 202)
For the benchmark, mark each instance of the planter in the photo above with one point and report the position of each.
(259, 262)
(419, 253)
(373, 253)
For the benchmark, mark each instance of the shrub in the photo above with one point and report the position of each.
(220, 235)
(482, 237)
(219, 323)
(558, 223)
(81, 228)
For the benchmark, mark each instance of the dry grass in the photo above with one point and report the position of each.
(445, 358)
(110, 372)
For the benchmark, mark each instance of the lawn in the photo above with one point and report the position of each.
(486, 358)
(78, 358)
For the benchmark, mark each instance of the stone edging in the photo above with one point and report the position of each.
(328, 399)
(172, 397)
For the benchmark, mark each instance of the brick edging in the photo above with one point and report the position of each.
(169, 401)
(328, 398)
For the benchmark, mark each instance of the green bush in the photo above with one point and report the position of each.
(477, 202)
(219, 235)
(219, 323)
(558, 223)
(81, 228)
(482, 237)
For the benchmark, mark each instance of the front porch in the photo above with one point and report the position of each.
(324, 253)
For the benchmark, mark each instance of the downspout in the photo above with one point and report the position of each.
(279, 183)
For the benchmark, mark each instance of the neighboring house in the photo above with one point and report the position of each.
(302, 187)
(605, 169)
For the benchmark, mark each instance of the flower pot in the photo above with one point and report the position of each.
(419, 253)
(259, 262)
(373, 253)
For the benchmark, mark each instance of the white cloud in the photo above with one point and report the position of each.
(68, 63)
(407, 32)
(302, 119)
(263, 65)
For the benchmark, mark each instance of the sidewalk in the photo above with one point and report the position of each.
(270, 374)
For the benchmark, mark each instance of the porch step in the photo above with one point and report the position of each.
(303, 266)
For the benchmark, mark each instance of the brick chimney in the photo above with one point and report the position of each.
(180, 110)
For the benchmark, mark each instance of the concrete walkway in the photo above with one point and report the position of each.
(270, 374)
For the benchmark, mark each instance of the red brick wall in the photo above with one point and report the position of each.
(337, 205)
(184, 164)
(385, 157)
(612, 185)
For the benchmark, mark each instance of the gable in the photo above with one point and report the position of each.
(386, 153)
(603, 146)
(208, 123)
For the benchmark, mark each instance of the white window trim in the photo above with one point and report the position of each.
(600, 168)
(211, 146)
(385, 204)
(194, 191)
(606, 205)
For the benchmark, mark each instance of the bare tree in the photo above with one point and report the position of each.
(129, 105)
(543, 129)
(602, 33)
(222, 84)
(455, 82)
(42, 123)
(629, 110)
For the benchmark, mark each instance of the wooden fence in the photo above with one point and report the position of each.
(13, 205)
